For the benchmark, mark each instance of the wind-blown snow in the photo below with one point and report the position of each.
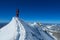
(19, 30)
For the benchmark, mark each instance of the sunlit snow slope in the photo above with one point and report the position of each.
(19, 30)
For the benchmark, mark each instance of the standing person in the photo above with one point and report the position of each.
(17, 13)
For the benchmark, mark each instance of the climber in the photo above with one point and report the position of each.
(17, 12)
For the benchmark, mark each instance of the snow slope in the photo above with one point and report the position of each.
(19, 30)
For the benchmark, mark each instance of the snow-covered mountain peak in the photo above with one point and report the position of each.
(17, 29)
(13, 30)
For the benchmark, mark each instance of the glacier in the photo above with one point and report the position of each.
(17, 29)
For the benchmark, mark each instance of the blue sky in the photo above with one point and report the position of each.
(45, 11)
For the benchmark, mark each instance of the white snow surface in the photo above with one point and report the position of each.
(19, 30)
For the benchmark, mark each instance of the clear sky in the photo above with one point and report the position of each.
(45, 11)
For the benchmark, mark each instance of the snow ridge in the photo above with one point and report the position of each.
(20, 30)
